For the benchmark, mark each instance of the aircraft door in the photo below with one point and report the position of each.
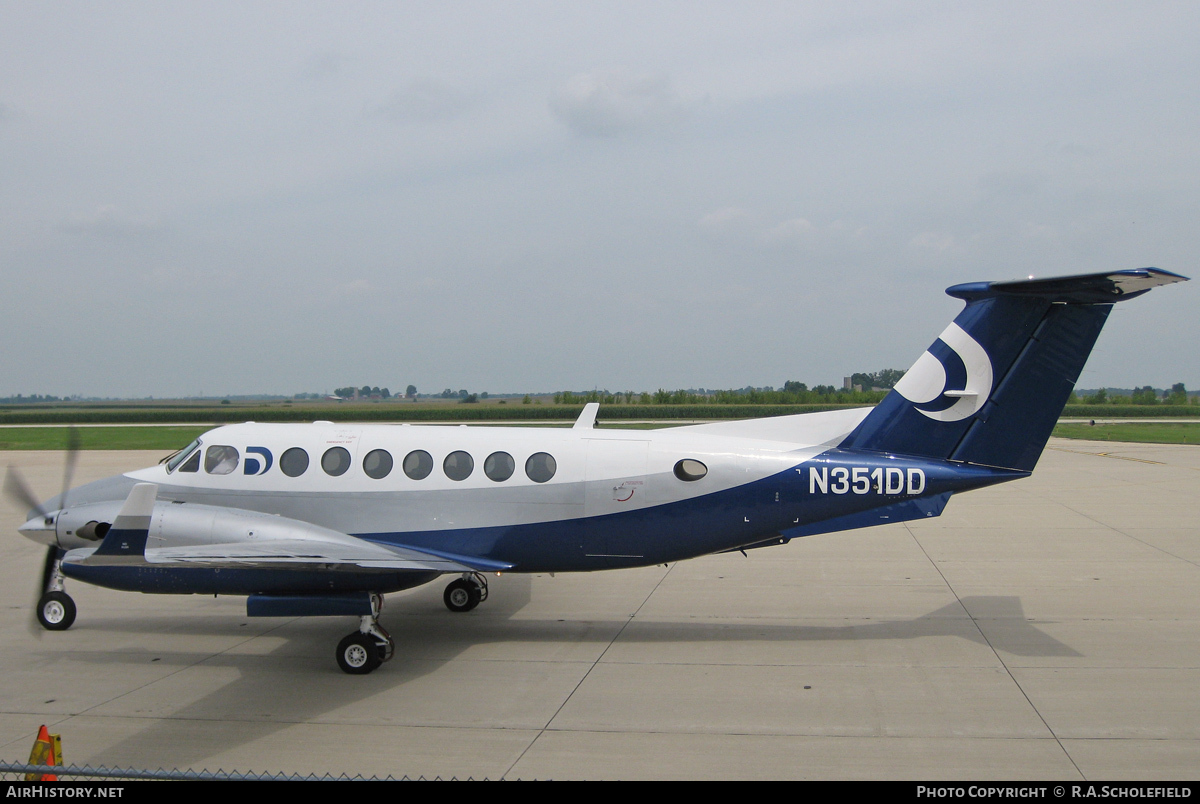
(615, 483)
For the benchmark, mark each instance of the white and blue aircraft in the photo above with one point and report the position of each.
(325, 518)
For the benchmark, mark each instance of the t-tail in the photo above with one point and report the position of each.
(992, 386)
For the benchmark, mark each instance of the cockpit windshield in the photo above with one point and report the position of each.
(174, 459)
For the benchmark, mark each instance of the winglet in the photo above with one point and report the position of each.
(587, 419)
(129, 531)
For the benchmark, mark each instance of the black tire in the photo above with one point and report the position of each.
(462, 596)
(56, 611)
(358, 654)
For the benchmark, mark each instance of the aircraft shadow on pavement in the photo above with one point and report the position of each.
(298, 682)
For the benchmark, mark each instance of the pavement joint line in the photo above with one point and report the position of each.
(584, 677)
(996, 653)
(1134, 538)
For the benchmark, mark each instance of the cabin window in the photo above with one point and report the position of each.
(378, 464)
(335, 461)
(294, 462)
(499, 466)
(192, 464)
(540, 467)
(458, 465)
(418, 464)
(220, 460)
(174, 460)
(689, 469)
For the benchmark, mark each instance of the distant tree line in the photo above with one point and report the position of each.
(884, 378)
(366, 392)
(21, 399)
(792, 393)
(1146, 395)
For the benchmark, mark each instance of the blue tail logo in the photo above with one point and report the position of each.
(951, 380)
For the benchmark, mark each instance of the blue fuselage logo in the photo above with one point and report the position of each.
(255, 466)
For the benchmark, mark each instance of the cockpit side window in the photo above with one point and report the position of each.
(220, 460)
(176, 459)
(192, 464)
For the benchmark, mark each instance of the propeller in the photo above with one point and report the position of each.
(19, 492)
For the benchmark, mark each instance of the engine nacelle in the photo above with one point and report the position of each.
(175, 524)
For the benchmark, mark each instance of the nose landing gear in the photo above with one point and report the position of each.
(55, 608)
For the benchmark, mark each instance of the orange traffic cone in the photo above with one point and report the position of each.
(47, 750)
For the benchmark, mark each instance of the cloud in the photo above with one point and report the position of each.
(355, 287)
(727, 219)
(177, 278)
(614, 102)
(791, 231)
(321, 66)
(934, 241)
(423, 100)
(110, 220)
(736, 225)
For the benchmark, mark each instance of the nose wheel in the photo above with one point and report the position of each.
(368, 647)
(466, 593)
(56, 611)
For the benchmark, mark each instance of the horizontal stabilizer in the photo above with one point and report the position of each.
(1102, 288)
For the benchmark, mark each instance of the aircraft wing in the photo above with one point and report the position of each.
(292, 552)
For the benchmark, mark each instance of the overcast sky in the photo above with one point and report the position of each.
(245, 197)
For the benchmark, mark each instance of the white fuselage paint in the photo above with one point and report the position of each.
(597, 472)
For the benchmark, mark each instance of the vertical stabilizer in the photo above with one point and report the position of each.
(992, 386)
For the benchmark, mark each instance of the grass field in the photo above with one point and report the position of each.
(164, 438)
(1146, 433)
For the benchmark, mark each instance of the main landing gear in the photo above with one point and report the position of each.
(466, 593)
(368, 647)
(55, 608)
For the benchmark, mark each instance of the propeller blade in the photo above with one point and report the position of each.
(69, 468)
(18, 491)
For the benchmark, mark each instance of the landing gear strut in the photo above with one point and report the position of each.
(370, 646)
(55, 608)
(466, 593)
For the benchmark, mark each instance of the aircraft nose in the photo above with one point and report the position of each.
(40, 529)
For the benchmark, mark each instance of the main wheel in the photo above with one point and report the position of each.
(56, 611)
(462, 595)
(358, 654)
